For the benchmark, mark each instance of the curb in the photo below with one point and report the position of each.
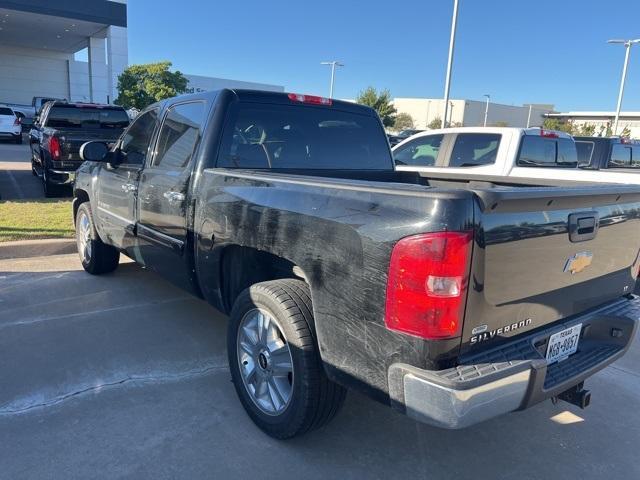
(37, 248)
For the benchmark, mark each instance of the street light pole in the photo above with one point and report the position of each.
(529, 116)
(486, 109)
(333, 64)
(452, 44)
(627, 45)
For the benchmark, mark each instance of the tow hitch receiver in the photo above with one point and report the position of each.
(577, 396)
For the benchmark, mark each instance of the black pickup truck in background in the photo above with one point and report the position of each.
(60, 131)
(601, 153)
(285, 211)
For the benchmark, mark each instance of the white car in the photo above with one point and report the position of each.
(10, 126)
(533, 154)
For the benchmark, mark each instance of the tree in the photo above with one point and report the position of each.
(605, 130)
(626, 132)
(380, 102)
(142, 85)
(404, 121)
(557, 124)
(435, 123)
(586, 130)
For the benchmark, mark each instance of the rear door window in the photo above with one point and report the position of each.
(179, 136)
(294, 136)
(547, 152)
(584, 150)
(474, 149)
(421, 152)
(620, 156)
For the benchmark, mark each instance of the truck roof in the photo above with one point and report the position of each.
(495, 130)
(262, 96)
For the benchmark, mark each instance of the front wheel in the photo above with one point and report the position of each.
(275, 365)
(96, 256)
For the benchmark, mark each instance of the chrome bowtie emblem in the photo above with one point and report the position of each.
(578, 262)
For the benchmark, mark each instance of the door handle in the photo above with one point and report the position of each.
(173, 197)
(583, 226)
(129, 187)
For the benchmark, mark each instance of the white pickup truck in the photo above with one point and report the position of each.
(532, 154)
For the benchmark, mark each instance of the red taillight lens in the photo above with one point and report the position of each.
(297, 97)
(548, 134)
(54, 148)
(427, 285)
(16, 122)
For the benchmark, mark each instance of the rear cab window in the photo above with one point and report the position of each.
(86, 117)
(280, 136)
(420, 152)
(622, 156)
(549, 152)
(474, 149)
(4, 111)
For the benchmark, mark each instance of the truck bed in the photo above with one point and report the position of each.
(340, 231)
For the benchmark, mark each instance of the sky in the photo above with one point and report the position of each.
(517, 51)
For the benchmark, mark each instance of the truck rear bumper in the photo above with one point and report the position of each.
(62, 177)
(515, 375)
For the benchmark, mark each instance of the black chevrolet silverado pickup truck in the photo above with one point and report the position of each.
(451, 301)
(61, 129)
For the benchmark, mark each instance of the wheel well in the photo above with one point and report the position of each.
(80, 196)
(243, 266)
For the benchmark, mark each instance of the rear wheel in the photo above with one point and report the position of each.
(275, 365)
(96, 256)
(50, 190)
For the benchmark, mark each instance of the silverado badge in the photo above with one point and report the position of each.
(578, 262)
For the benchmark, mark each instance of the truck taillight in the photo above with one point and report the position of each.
(313, 99)
(427, 284)
(16, 122)
(54, 148)
(548, 134)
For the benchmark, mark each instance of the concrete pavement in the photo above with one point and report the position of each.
(16, 180)
(125, 376)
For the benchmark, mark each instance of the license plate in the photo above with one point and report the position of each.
(563, 344)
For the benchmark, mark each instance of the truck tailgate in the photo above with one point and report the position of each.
(545, 254)
(71, 141)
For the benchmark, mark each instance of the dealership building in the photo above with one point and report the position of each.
(470, 113)
(72, 49)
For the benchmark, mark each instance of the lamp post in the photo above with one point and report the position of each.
(529, 116)
(447, 81)
(627, 45)
(333, 64)
(486, 108)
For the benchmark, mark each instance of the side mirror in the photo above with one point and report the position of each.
(94, 152)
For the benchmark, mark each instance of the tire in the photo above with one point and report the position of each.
(313, 400)
(18, 140)
(96, 257)
(49, 189)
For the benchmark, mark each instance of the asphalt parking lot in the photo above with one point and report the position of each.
(124, 376)
(16, 180)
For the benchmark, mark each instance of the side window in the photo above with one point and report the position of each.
(474, 149)
(547, 152)
(179, 136)
(585, 150)
(620, 156)
(635, 156)
(421, 152)
(135, 141)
